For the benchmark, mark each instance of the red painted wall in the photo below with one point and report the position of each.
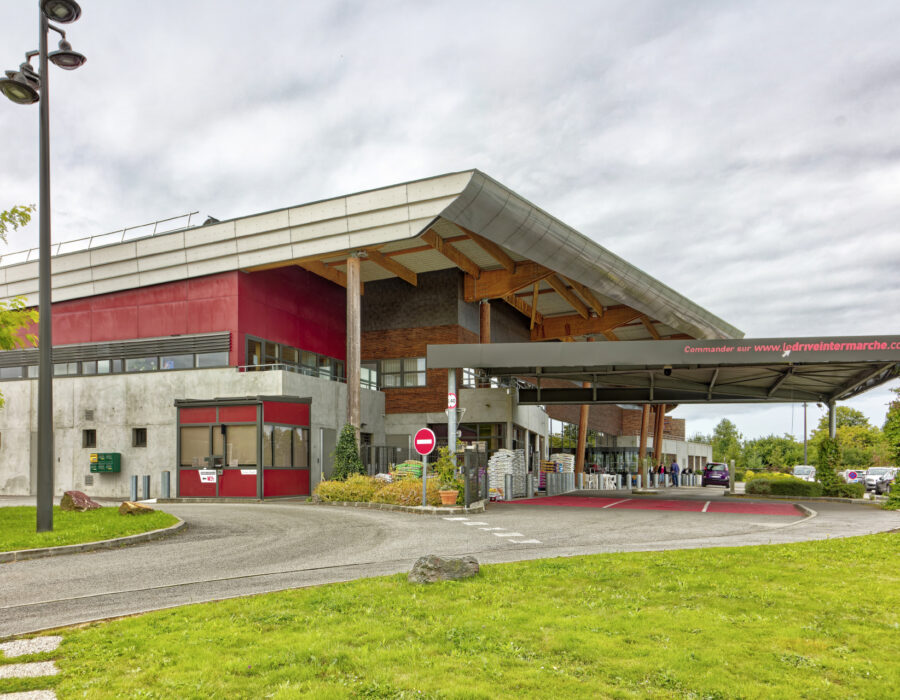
(287, 305)
(295, 307)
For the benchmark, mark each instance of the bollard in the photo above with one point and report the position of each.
(639, 477)
(580, 481)
(146, 487)
(164, 485)
(134, 488)
(508, 487)
(618, 481)
(529, 485)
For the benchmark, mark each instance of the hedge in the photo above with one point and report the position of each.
(783, 487)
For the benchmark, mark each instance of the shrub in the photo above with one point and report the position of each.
(893, 501)
(407, 492)
(783, 485)
(346, 455)
(829, 463)
(850, 490)
(356, 488)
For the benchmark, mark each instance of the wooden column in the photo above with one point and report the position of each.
(658, 434)
(484, 313)
(642, 443)
(353, 343)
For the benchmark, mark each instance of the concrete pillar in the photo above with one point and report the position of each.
(353, 343)
(832, 420)
(451, 414)
(484, 315)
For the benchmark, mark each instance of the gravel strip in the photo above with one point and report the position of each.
(33, 670)
(37, 645)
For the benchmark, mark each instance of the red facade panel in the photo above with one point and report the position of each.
(234, 484)
(187, 416)
(189, 485)
(285, 482)
(237, 414)
(285, 412)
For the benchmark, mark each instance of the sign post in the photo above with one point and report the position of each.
(424, 442)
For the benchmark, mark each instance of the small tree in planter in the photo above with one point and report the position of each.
(445, 472)
(346, 455)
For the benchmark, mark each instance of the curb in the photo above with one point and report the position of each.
(477, 507)
(826, 499)
(23, 554)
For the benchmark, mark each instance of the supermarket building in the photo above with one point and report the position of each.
(243, 346)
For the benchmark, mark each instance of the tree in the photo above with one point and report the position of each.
(892, 430)
(701, 438)
(346, 455)
(860, 441)
(772, 452)
(14, 315)
(829, 460)
(726, 442)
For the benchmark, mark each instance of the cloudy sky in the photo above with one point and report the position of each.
(745, 153)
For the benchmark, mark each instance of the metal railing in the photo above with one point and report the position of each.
(131, 233)
(298, 369)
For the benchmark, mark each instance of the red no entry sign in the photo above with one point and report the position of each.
(424, 441)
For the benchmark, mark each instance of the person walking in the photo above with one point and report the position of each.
(674, 470)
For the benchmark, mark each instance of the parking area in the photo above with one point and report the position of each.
(684, 505)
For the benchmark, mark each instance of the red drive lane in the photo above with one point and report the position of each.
(787, 509)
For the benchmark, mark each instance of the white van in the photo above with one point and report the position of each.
(807, 472)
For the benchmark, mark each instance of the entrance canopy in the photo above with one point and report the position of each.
(748, 370)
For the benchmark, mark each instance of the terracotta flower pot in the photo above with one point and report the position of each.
(448, 498)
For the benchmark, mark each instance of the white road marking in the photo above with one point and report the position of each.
(610, 505)
(525, 541)
(706, 506)
(455, 518)
(508, 534)
(491, 528)
(474, 522)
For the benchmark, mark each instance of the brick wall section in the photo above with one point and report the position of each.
(602, 417)
(411, 342)
(673, 428)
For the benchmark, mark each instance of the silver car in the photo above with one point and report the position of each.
(879, 479)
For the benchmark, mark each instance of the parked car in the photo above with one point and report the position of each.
(715, 473)
(806, 472)
(879, 479)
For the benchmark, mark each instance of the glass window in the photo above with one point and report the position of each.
(218, 440)
(89, 367)
(338, 370)
(301, 447)
(289, 355)
(194, 445)
(271, 354)
(241, 445)
(10, 372)
(176, 362)
(281, 446)
(308, 359)
(63, 369)
(33, 371)
(138, 437)
(89, 438)
(324, 367)
(141, 364)
(368, 375)
(267, 445)
(414, 371)
(254, 352)
(212, 359)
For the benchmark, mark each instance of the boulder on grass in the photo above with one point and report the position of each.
(132, 508)
(433, 568)
(76, 500)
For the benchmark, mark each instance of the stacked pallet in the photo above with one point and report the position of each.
(504, 462)
(565, 462)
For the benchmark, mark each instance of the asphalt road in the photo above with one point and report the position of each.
(240, 549)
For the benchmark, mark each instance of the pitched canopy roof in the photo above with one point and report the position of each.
(565, 283)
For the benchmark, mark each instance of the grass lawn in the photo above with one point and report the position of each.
(17, 524)
(809, 620)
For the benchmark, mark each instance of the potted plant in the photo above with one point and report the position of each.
(445, 472)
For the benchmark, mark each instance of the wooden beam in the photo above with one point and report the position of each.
(451, 253)
(523, 308)
(587, 295)
(497, 284)
(534, 301)
(492, 249)
(393, 266)
(317, 267)
(567, 294)
(554, 327)
(610, 335)
(651, 329)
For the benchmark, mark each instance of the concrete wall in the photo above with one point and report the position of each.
(125, 401)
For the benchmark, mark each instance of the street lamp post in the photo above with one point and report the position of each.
(27, 87)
